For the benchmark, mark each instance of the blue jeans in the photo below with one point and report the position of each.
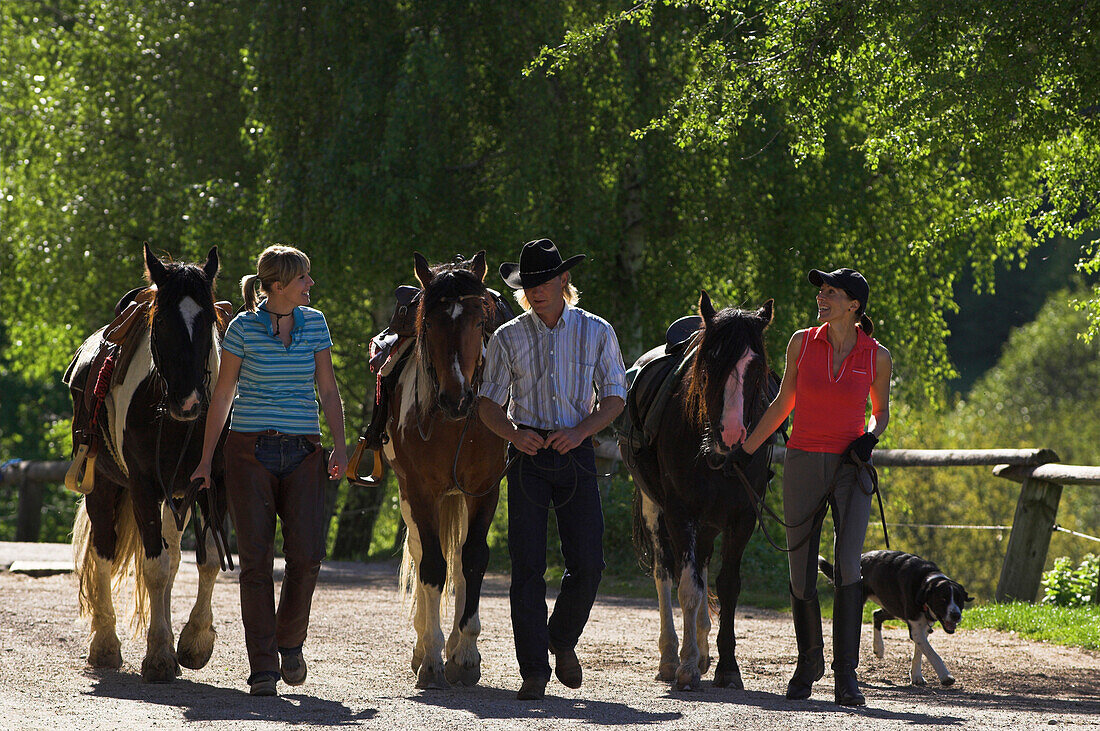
(281, 454)
(568, 482)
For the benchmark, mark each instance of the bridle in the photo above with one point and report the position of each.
(181, 506)
(433, 381)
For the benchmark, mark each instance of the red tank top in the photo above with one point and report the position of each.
(831, 412)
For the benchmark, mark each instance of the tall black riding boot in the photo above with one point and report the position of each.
(847, 621)
(811, 657)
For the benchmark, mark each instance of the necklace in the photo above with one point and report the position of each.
(277, 317)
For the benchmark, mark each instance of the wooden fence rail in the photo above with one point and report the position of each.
(1037, 470)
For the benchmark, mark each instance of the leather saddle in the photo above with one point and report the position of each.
(652, 380)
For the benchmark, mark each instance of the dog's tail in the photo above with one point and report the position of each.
(825, 567)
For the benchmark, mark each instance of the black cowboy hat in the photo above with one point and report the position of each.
(849, 280)
(538, 262)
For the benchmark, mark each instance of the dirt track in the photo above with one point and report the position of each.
(360, 644)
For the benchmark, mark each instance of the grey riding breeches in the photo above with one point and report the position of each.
(807, 477)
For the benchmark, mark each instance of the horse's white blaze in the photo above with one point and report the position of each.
(456, 310)
(189, 310)
(733, 402)
(457, 368)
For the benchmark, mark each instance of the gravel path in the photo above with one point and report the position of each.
(360, 644)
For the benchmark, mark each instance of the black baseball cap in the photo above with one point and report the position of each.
(849, 280)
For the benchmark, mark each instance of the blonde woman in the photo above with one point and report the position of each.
(273, 353)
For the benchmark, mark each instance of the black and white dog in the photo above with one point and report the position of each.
(914, 589)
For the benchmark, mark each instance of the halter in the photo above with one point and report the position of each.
(434, 383)
(429, 368)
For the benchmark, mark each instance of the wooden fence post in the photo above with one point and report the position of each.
(29, 515)
(1029, 541)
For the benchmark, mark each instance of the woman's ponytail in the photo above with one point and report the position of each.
(866, 324)
(248, 291)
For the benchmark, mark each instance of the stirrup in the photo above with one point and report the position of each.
(73, 480)
(354, 478)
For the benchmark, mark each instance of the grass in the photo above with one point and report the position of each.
(1073, 626)
(1070, 626)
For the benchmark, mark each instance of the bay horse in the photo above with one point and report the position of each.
(152, 441)
(683, 499)
(448, 466)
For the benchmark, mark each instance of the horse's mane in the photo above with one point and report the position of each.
(722, 343)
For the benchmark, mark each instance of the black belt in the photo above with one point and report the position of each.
(541, 432)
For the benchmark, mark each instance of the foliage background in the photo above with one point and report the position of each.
(931, 147)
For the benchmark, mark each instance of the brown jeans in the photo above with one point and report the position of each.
(256, 496)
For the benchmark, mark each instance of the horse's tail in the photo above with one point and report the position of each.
(128, 553)
(642, 538)
(452, 534)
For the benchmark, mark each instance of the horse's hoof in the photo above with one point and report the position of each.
(458, 674)
(429, 679)
(947, 682)
(667, 672)
(106, 654)
(161, 669)
(728, 679)
(919, 681)
(195, 646)
(688, 678)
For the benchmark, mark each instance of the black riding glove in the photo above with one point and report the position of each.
(861, 447)
(738, 457)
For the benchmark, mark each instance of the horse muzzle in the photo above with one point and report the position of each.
(457, 409)
(188, 409)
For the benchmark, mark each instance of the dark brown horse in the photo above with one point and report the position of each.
(448, 466)
(683, 499)
(153, 423)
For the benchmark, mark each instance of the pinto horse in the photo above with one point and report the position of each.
(683, 499)
(448, 466)
(152, 441)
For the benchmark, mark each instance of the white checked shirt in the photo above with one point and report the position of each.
(549, 379)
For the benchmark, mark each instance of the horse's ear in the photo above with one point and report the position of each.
(706, 309)
(155, 271)
(478, 269)
(767, 312)
(211, 265)
(423, 271)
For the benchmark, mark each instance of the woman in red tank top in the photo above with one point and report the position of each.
(831, 371)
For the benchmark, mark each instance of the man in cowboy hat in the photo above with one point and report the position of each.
(559, 371)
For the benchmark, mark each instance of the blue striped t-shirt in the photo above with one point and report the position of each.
(275, 389)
